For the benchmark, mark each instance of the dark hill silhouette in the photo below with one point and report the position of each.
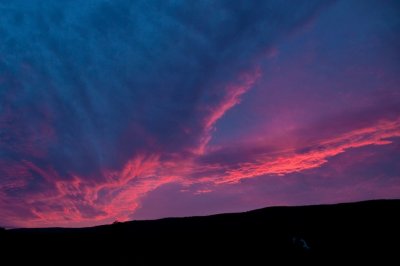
(363, 231)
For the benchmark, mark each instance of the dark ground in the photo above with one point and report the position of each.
(325, 234)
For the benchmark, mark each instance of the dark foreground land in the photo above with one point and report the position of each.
(354, 232)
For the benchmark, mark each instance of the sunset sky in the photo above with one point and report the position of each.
(122, 110)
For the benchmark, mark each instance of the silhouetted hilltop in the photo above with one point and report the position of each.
(362, 231)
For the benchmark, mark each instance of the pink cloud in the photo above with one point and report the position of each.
(79, 201)
(290, 161)
(114, 198)
(232, 97)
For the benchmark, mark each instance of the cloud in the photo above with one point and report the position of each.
(107, 80)
(89, 88)
(84, 201)
(312, 157)
(368, 172)
(103, 102)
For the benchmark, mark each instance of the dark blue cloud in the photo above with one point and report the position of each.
(86, 85)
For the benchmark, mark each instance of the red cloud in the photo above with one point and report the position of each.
(232, 98)
(80, 201)
(120, 195)
(289, 162)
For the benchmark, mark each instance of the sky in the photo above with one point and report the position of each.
(124, 110)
